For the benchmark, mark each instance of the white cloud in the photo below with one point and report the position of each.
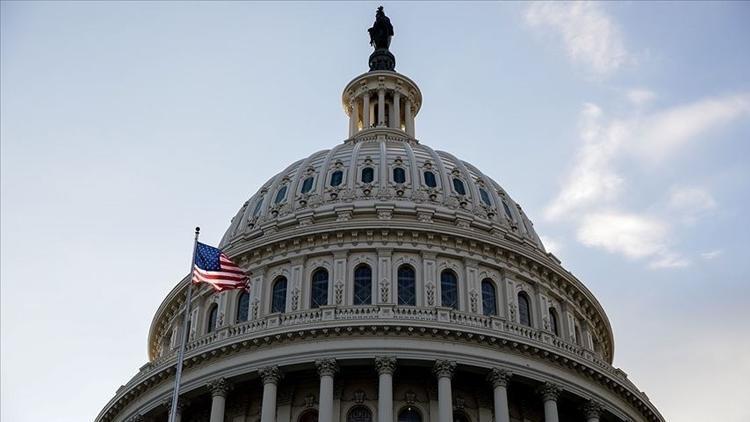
(632, 235)
(640, 96)
(553, 246)
(691, 199)
(712, 254)
(591, 37)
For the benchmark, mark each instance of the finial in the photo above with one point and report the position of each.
(380, 38)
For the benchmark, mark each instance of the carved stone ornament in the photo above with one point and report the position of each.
(550, 391)
(310, 401)
(256, 305)
(474, 299)
(499, 377)
(359, 396)
(295, 298)
(444, 368)
(339, 292)
(385, 365)
(410, 397)
(219, 387)
(430, 294)
(592, 409)
(385, 293)
(327, 367)
(270, 374)
(460, 403)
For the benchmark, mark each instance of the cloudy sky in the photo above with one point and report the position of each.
(622, 128)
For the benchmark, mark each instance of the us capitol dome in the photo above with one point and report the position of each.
(390, 282)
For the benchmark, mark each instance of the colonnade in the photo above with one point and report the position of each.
(444, 370)
(374, 114)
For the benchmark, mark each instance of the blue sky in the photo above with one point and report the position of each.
(622, 129)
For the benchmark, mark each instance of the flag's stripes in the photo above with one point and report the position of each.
(213, 267)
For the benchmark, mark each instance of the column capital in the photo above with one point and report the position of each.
(550, 391)
(444, 368)
(592, 409)
(219, 387)
(385, 365)
(327, 367)
(270, 374)
(499, 377)
(181, 404)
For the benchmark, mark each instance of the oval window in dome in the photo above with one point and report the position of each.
(368, 175)
(458, 186)
(256, 211)
(281, 194)
(429, 179)
(485, 197)
(337, 177)
(307, 184)
(399, 175)
(507, 210)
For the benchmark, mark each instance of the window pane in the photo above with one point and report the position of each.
(363, 285)
(307, 184)
(485, 197)
(319, 289)
(407, 294)
(489, 298)
(448, 289)
(429, 179)
(507, 210)
(458, 185)
(524, 310)
(399, 175)
(256, 211)
(336, 178)
(553, 321)
(212, 319)
(281, 194)
(368, 175)
(278, 300)
(409, 415)
(242, 306)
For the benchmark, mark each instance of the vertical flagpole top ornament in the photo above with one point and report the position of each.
(380, 38)
(197, 230)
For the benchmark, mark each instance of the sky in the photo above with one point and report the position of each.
(621, 128)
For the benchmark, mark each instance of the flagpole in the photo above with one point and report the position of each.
(183, 342)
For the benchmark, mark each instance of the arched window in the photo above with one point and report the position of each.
(368, 175)
(524, 309)
(363, 285)
(359, 414)
(553, 321)
(449, 289)
(429, 179)
(337, 177)
(309, 416)
(458, 186)
(485, 197)
(407, 289)
(579, 340)
(460, 416)
(256, 211)
(213, 313)
(243, 304)
(307, 185)
(507, 210)
(278, 295)
(489, 297)
(281, 194)
(319, 288)
(399, 175)
(409, 414)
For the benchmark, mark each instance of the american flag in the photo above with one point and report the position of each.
(213, 267)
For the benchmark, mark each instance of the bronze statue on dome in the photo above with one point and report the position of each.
(381, 31)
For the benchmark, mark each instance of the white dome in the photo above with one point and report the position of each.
(409, 180)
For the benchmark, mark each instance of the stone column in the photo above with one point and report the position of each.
(326, 369)
(270, 376)
(219, 389)
(408, 119)
(500, 378)
(385, 366)
(366, 110)
(396, 110)
(550, 392)
(381, 107)
(443, 370)
(354, 119)
(592, 411)
(181, 404)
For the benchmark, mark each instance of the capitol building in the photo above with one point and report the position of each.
(390, 282)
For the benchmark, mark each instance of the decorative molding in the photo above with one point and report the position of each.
(499, 377)
(327, 367)
(270, 374)
(592, 409)
(219, 387)
(550, 391)
(444, 368)
(385, 365)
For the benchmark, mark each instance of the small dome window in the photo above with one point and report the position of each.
(489, 297)
(458, 186)
(399, 175)
(307, 185)
(553, 326)
(243, 305)
(368, 175)
(429, 179)
(485, 197)
(256, 211)
(363, 285)
(449, 289)
(212, 318)
(281, 194)
(278, 295)
(336, 178)
(507, 210)
(524, 309)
